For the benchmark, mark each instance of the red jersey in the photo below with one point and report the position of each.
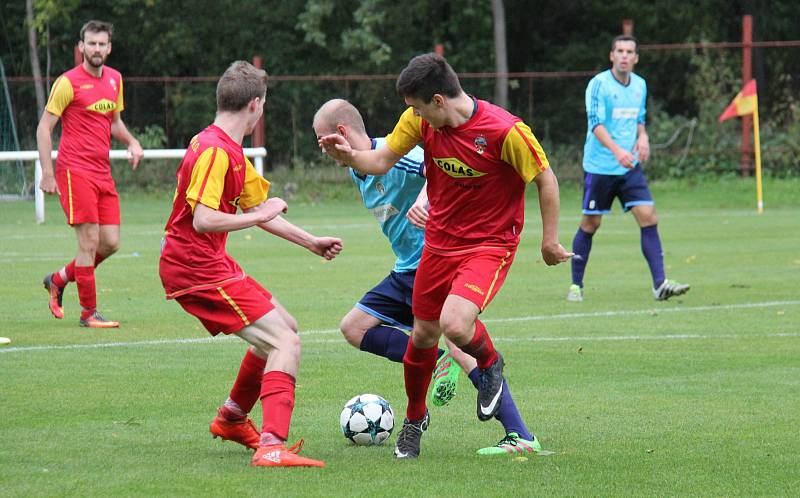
(86, 105)
(215, 173)
(477, 173)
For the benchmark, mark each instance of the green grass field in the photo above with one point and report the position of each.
(697, 396)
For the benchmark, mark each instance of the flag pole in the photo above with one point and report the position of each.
(757, 140)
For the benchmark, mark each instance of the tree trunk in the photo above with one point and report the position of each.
(34, 52)
(500, 54)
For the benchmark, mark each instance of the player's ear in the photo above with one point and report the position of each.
(438, 99)
(342, 130)
(109, 49)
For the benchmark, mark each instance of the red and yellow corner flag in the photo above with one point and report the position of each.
(745, 102)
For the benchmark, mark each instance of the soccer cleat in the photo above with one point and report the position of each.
(239, 431)
(669, 288)
(278, 455)
(575, 293)
(408, 440)
(98, 321)
(490, 389)
(56, 296)
(445, 380)
(512, 444)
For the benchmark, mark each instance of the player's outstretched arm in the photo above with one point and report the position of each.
(553, 252)
(207, 219)
(327, 247)
(371, 162)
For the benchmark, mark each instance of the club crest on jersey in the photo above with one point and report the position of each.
(113, 83)
(480, 144)
(102, 106)
(456, 168)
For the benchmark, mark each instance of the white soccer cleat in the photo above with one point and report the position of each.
(670, 288)
(575, 294)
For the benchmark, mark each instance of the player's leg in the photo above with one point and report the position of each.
(88, 235)
(597, 199)
(275, 338)
(636, 197)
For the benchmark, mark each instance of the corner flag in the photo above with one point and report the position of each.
(746, 102)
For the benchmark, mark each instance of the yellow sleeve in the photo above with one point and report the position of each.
(208, 178)
(60, 96)
(406, 134)
(522, 151)
(120, 99)
(256, 188)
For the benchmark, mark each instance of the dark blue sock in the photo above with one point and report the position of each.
(651, 248)
(581, 246)
(389, 342)
(507, 414)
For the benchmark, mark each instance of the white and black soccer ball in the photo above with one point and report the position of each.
(367, 419)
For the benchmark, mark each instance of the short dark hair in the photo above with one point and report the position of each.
(425, 76)
(239, 84)
(98, 27)
(624, 38)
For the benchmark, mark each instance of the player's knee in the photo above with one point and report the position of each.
(107, 248)
(454, 328)
(290, 343)
(591, 225)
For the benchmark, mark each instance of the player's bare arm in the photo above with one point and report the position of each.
(553, 252)
(370, 162)
(327, 247)
(44, 142)
(642, 147)
(121, 133)
(418, 213)
(624, 157)
(207, 219)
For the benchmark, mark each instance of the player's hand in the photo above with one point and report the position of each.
(337, 148)
(135, 154)
(418, 214)
(48, 184)
(327, 247)
(555, 253)
(625, 158)
(642, 148)
(271, 208)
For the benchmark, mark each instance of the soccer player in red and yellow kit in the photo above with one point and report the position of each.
(479, 159)
(88, 100)
(214, 179)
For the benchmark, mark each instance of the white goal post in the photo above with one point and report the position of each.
(257, 153)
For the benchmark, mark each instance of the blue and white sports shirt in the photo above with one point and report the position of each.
(389, 197)
(619, 108)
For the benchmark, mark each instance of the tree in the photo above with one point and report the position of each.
(500, 54)
(33, 46)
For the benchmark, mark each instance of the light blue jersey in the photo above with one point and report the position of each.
(619, 108)
(389, 197)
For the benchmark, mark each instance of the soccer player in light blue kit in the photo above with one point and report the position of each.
(398, 201)
(616, 146)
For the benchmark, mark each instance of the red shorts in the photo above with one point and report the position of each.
(475, 275)
(230, 307)
(88, 199)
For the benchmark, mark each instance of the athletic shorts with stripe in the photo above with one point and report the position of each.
(229, 307)
(87, 198)
(476, 275)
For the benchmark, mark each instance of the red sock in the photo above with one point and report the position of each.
(67, 274)
(247, 387)
(277, 402)
(418, 365)
(87, 295)
(481, 347)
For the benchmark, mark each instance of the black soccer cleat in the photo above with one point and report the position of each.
(490, 389)
(408, 440)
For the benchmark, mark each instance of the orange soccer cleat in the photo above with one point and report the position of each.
(277, 455)
(239, 431)
(98, 321)
(56, 296)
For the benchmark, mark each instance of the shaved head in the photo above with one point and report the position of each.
(338, 112)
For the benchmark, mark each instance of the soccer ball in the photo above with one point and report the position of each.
(367, 419)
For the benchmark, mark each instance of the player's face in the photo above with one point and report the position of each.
(624, 56)
(95, 48)
(433, 112)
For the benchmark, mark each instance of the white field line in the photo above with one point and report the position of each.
(563, 316)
